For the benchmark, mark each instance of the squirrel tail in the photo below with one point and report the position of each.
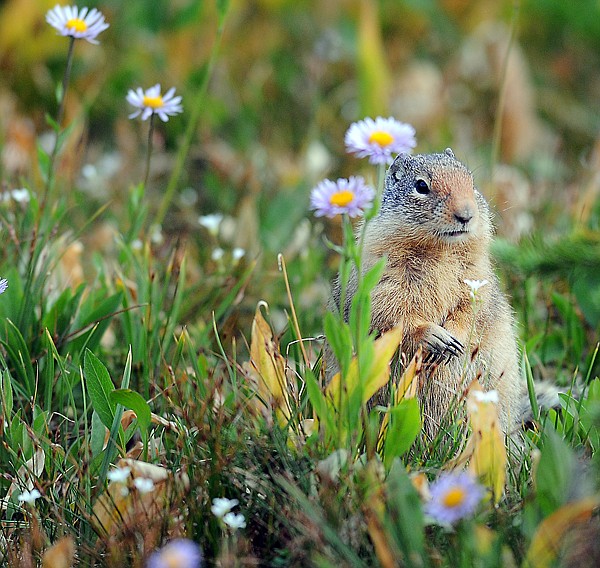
(546, 396)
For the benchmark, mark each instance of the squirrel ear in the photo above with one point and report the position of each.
(449, 153)
(399, 164)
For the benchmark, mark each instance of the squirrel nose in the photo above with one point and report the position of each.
(464, 216)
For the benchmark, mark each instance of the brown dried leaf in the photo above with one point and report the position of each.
(61, 554)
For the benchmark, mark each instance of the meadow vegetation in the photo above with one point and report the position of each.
(161, 332)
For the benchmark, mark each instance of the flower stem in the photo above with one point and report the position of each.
(59, 119)
(191, 126)
(149, 150)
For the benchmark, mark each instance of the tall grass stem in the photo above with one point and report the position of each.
(198, 105)
(59, 118)
(497, 134)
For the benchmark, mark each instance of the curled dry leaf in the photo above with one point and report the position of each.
(485, 450)
(122, 506)
(266, 371)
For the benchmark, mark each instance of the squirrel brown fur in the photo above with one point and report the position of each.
(434, 229)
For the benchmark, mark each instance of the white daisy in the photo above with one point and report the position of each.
(77, 22)
(151, 102)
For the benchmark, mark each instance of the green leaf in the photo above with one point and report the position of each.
(99, 387)
(403, 429)
(7, 395)
(323, 411)
(134, 401)
(339, 338)
(405, 515)
(20, 357)
(554, 472)
(98, 434)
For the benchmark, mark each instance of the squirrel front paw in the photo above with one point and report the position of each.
(440, 344)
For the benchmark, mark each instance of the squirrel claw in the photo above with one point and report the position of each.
(441, 346)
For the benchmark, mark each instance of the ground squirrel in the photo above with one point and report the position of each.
(434, 228)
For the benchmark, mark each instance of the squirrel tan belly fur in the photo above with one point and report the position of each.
(434, 229)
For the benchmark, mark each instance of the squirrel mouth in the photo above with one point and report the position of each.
(451, 235)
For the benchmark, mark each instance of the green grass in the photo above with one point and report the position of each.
(149, 319)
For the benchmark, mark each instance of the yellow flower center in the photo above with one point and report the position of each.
(381, 138)
(77, 25)
(172, 558)
(341, 198)
(153, 102)
(454, 497)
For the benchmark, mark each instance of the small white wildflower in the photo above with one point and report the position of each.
(143, 484)
(489, 396)
(217, 254)
(137, 244)
(89, 171)
(29, 496)
(475, 285)
(156, 235)
(20, 195)
(211, 222)
(79, 23)
(235, 521)
(237, 254)
(151, 102)
(221, 506)
(119, 474)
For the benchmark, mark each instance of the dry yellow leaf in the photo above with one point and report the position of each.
(266, 369)
(125, 505)
(488, 460)
(547, 540)
(384, 349)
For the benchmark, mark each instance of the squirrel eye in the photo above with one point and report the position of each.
(422, 187)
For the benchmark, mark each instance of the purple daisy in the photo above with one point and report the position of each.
(179, 553)
(454, 496)
(380, 138)
(351, 196)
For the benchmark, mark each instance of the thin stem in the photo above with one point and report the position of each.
(191, 128)
(282, 267)
(497, 135)
(149, 150)
(59, 119)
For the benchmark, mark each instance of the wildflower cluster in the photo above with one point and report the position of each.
(377, 140)
(221, 508)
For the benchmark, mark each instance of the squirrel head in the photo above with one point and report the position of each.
(432, 196)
